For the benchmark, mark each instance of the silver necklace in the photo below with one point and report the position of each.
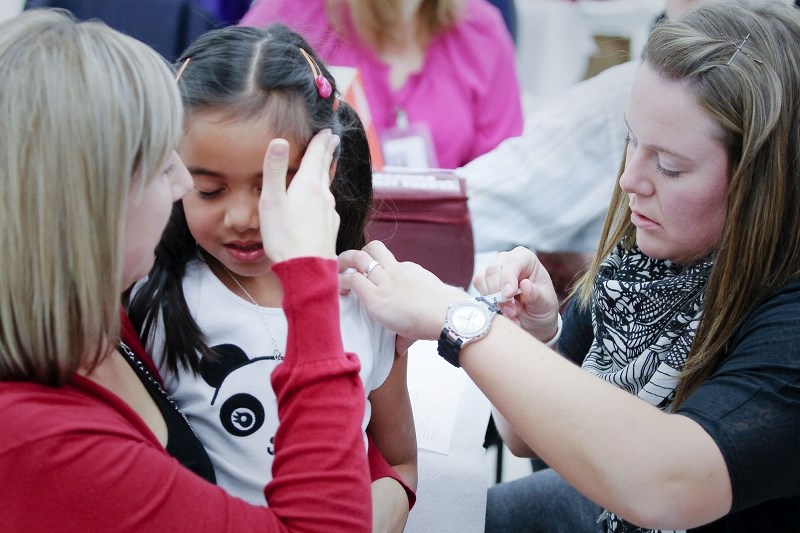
(276, 352)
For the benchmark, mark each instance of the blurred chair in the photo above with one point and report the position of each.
(168, 26)
(422, 216)
(226, 11)
(565, 269)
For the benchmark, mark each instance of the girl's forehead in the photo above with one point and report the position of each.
(263, 125)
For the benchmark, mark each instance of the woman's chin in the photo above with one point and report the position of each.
(653, 249)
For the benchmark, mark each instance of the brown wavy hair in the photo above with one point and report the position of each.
(754, 96)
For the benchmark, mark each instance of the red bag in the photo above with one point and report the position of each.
(422, 216)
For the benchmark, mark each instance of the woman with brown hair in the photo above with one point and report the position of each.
(686, 411)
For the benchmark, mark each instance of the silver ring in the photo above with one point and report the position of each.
(370, 268)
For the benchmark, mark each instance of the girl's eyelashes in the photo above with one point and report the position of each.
(208, 195)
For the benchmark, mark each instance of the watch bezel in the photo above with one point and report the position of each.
(457, 327)
(451, 340)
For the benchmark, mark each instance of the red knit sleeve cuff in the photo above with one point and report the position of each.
(380, 468)
(311, 305)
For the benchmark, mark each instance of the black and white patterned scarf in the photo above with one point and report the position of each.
(645, 313)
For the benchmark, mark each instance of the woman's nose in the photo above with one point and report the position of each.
(636, 178)
(182, 180)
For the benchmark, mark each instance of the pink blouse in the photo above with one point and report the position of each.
(467, 91)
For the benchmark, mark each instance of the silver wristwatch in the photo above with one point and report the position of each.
(466, 322)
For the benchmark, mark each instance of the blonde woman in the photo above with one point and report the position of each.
(88, 177)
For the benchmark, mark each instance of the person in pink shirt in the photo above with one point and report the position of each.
(441, 66)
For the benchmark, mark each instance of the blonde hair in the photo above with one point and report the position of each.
(376, 20)
(752, 90)
(88, 114)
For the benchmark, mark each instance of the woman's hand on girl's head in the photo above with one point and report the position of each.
(299, 220)
(404, 297)
(535, 309)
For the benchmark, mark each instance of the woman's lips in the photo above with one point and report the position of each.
(642, 222)
(245, 252)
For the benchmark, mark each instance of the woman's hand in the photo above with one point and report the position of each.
(299, 220)
(404, 297)
(535, 309)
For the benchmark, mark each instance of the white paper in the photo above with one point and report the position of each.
(435, 388)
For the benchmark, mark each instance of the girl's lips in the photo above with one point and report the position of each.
(245, 252)
(642, 222)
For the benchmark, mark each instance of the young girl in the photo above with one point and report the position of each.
(210, 309)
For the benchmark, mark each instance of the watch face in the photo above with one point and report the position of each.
(469, 319)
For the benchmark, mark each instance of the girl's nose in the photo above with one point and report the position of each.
(242, 214)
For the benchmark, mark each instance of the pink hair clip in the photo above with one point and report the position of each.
(323, 85)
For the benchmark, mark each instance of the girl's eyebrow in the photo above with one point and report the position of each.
(201, 171)
(204, 172)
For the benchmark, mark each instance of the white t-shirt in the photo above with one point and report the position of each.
(230, 404)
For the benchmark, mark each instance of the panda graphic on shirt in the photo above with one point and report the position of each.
(242, 409)
(230, 403)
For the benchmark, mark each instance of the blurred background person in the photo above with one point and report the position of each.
(439, 75)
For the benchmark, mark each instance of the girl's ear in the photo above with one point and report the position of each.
(332, 171)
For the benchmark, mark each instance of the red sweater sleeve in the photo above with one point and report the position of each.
(79, 459)
(321, 427)
(380, 468)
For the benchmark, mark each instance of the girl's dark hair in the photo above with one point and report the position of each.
(251, 72)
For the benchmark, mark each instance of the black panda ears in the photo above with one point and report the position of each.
(216, 367)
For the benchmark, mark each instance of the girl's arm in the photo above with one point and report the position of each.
(392, 430)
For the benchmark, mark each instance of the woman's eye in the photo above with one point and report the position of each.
(666, 172)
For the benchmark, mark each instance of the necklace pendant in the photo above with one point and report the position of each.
(276, 353)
